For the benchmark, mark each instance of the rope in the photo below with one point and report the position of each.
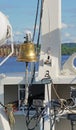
(10, 114)
(41, 12)
(2, 105)
(35, 20)
(62, 101)
(36, 118)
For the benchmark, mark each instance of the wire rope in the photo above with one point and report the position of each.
(35, 20)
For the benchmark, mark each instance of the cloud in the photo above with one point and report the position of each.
(73, 39)
(68, 37)
(17, 33)
(67, 34)
(27, 29)
(64, 25)
(37, 27)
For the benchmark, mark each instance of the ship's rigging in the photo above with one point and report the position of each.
(35, 100)
(40, 2)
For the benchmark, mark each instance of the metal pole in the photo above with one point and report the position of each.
(26, 84)
(72, 125)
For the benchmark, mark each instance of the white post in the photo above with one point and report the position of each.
(47, 124)
(50, 56)
(26, 85)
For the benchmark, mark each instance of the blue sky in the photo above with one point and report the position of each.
(21, 14)
(68, 20)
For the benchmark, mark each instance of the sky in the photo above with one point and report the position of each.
(68, 21)
(21, 14)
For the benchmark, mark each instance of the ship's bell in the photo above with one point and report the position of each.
(27, 53)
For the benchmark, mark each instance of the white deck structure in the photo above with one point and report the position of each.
(63, 77)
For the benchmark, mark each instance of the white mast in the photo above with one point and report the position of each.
(50, 56)
(50, 39)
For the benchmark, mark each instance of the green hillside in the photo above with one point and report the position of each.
(68, 48)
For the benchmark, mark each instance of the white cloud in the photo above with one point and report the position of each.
(37, 27)
(18, 33)
(74, 40)
(68, 37)
(64, 25)
(67, 34)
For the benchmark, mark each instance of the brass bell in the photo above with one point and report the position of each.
(27, 53)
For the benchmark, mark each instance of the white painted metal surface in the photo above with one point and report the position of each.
(5, 28)
(51, 39)
(4, 123)
(5, 33)
(50, 47)
(69, 65)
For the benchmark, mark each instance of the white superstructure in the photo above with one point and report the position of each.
(51, 38)
(12, 87)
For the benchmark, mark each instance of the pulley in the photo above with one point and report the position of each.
(27, 53)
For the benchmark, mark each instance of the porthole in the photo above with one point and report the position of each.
(74, 62)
